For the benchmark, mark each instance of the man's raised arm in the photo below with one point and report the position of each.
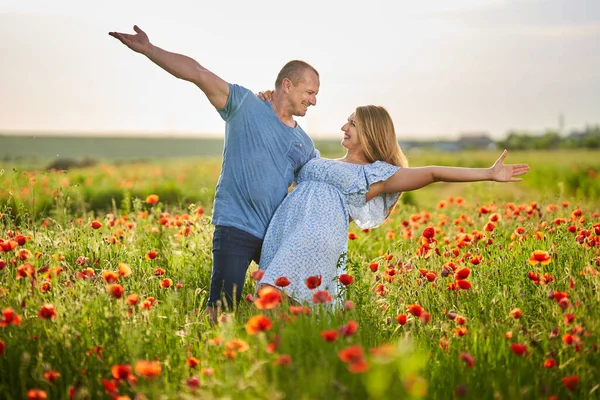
(178, 65)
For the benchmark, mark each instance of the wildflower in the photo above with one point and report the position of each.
(358, 367)
(283, 360)
(268, 298)
(550, 363)
(571, 382)
(151, 255)
(192, 362)
(313, 282)
(124, 269)
(36, 394)
(461, 331)
(96, 224)
(464, 284)
(47, 311)
(321, 296)
(569, 318)
(374, 267)
(110, 276)
(282, 281)
(45, 287)
(468, 359)
(349, 305)
(329, 335)
(460, 320)
(147, 369)
(516, 313)
(462, 273)
(297, 310)
(352, 236)
(428, 232)
(401, 318)
(121, 371)
(351, 354)
(132, 299)
(348, 329)
(346, 279)
(115, 290)
(166, 283)
(258, 323)
(415, 310)
(539, 256)
(152, 199)
(258, 274)
(518, 349)
(159, 272)
(535, 278)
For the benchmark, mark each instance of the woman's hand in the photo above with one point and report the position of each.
(266, 95)
(507, 173)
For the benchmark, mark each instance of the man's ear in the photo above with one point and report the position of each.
(286, 84)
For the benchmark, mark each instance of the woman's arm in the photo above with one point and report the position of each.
(406, 179)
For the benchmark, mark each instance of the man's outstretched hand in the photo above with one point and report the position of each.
(507, 172)
(138, 42)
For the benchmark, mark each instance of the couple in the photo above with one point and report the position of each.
(304, 233)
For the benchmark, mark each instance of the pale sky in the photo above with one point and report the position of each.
(440, 67)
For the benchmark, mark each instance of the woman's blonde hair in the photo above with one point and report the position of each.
(377, 136)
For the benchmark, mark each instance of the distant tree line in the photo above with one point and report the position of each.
(589, 138)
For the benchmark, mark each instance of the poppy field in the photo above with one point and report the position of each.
(476, 291)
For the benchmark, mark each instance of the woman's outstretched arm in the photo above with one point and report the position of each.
(406, 179)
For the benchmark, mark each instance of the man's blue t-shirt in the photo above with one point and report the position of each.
(261, 157)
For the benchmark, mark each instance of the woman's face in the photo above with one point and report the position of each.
(350, 140)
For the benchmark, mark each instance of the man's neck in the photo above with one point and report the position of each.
(282, 109)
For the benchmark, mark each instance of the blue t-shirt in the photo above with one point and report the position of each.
(261, 157)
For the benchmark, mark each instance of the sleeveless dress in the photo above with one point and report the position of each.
(308, 234)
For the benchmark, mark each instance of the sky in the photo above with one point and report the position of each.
(440, 67)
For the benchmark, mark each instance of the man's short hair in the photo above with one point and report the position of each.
(294, 71)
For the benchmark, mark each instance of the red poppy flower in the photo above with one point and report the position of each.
(539, 256)
(401, 318)
(283, 360)
(96, 224)
(518, 349)
(258, 323)
(516, 313)
(571, 382)
(468, 359)
(282, 281)
(297, 310)
(110, 276)
(330, 335)
(358, 367)
(460, 320)
(257, 275)
(192, 362)
(550, 363)
(132, 299)
(2, 264)
(464, 284)
(268, 298)
(166, 283)
(313, 282)
(47, 311)
(151, 255)
(415, 310)
(374, 267)
(346, 279)
(321, 296)
(349, 329)
(159, 272)
(121, 371)
(535, 278)
(351, 353)
(352, 236)
(115, 290)
(476, 260)
(428, 232)
(462, 273)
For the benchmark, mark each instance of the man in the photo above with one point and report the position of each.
(264, 149)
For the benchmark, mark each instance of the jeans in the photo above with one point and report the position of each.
(233, 251)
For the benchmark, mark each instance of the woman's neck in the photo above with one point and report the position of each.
(355, 157)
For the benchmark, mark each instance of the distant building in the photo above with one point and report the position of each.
(476, 141)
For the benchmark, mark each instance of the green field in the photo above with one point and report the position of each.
(100, 289)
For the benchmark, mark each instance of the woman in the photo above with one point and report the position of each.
(308, 233)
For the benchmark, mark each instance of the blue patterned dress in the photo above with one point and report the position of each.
(308, 234)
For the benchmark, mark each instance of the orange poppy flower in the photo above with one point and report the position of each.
(36, 394)
(124, 269)
(47, 311)
(539, 256)
(121, 371)
(166, 283)
(258, 323)
(268, 298)
(192, 362)
(282, 281)
(351, 353)
(415, 310)
(550, 363)
(51, 375)
(352, 236)
(237, 345)
(152, 199)
(516, 313)
(147, 369)
(346, 279)
(358, 367)
(297, 310)
(460, 331)
(313, 282)
(460, 320)
(110, 276)
(132, 299)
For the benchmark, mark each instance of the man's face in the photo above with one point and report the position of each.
(304, 94)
